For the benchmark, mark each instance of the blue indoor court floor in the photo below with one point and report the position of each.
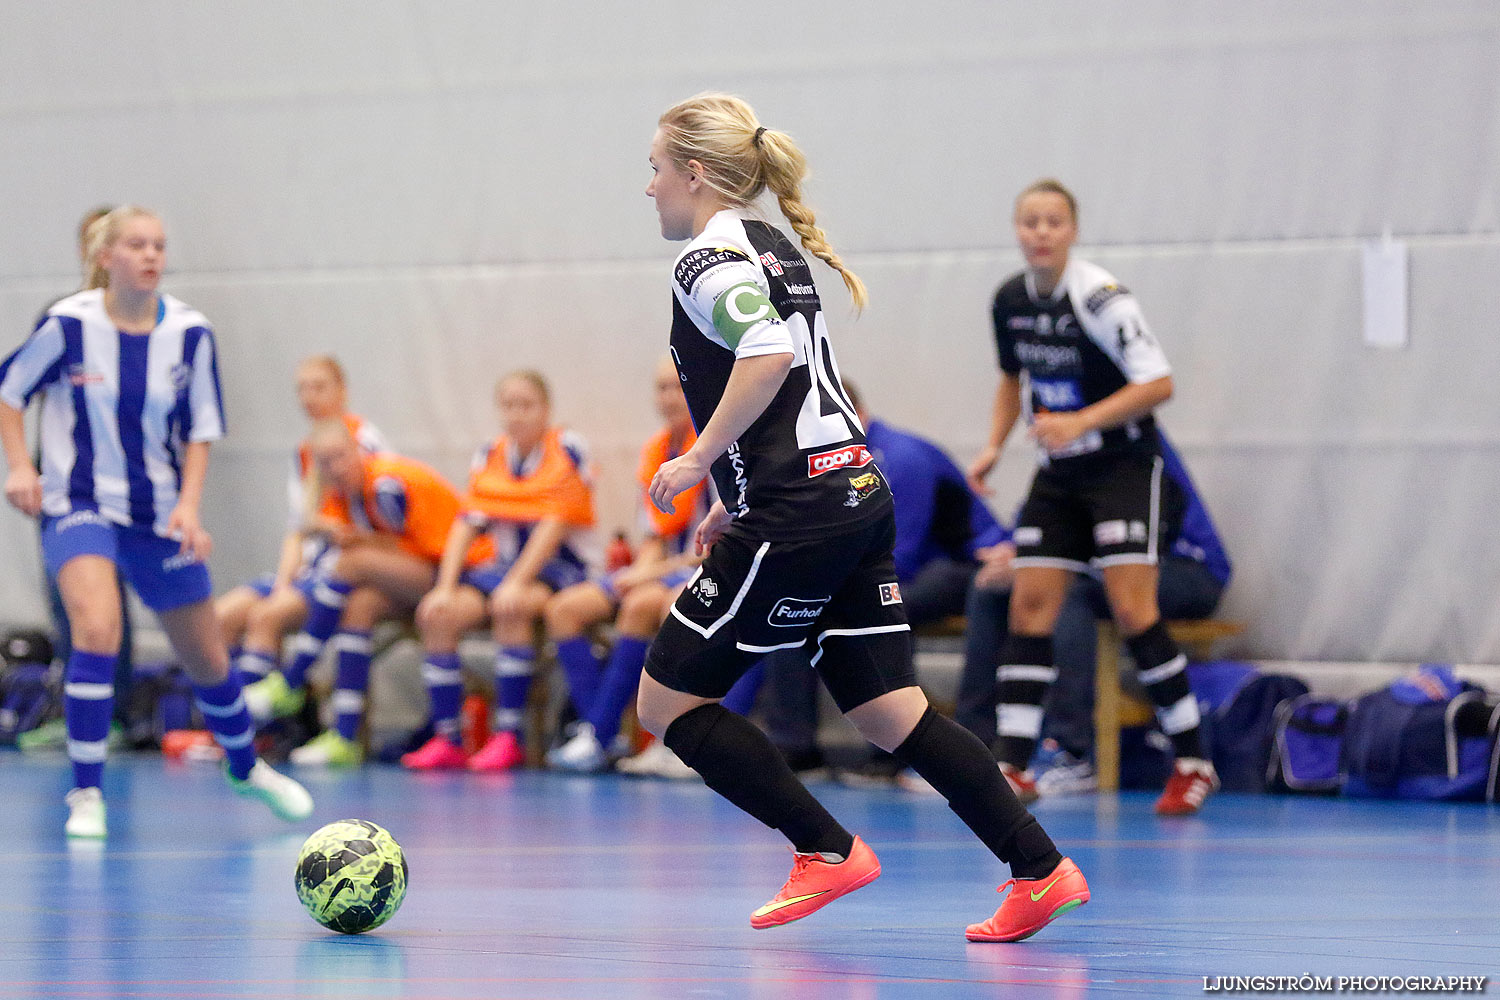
(541, 885)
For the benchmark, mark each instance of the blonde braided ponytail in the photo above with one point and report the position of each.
(740, 159)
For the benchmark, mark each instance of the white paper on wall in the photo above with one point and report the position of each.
(1385, 273)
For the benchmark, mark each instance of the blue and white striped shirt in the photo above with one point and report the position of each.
(118, 409)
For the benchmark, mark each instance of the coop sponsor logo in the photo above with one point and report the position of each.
(855, 456)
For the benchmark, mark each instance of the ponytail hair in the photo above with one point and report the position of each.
(102, 232)
(740, 159)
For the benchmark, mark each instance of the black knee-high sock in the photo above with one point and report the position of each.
(1023, 677)
(740, 763)
(956, 763)
(1163, 671)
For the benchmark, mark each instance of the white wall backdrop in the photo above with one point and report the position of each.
(439, 192)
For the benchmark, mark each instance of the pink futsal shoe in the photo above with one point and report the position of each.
(501, 752)
(815, 882)
(1033, 903)
(437, 754)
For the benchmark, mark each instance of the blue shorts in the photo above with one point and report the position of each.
(153, 565)
(677, 578)
(559, 574)
(317, 563)
(303, 583)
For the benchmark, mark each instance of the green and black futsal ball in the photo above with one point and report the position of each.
(351, 876)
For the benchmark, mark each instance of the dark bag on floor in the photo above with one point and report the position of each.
(1492, 787)
(161, 700)
(28, 697)
(1307, 756)
(29, 686)
(1238, 705)
(1401, 743)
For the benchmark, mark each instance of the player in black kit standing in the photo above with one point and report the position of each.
(1093, 374)
(799, 544)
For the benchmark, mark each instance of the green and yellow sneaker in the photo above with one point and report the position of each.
(283, 796)
(272, 697)
(328, 749)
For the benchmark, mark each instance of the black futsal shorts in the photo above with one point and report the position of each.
(836, 596)
(1105, 510)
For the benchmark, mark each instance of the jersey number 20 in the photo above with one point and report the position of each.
(815, 429)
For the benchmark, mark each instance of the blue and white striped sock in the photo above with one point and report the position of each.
(324, 610)
(352, 680)
(252, 665)
(513, 669)
(227, 718)
(88, 701)
(445, 686)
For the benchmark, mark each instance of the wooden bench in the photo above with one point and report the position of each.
(952, 627)
(1196, 636)
(942, 639)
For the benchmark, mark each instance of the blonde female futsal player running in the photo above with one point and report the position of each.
(799, 545)
(131, 403)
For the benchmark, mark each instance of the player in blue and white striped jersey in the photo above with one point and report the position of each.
(130, 404)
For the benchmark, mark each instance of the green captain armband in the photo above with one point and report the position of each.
(738, 309)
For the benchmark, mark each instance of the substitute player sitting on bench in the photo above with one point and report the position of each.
(637, 597)
(388, 515)
(322, 392)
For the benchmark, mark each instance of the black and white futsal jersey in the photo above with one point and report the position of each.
(1084, 342)
(801, 470)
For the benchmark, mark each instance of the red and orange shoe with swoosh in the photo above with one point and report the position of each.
(1033, 904)
(814, 883)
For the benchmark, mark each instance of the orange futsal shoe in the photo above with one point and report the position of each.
(501, 752)
(814, 883)
(1033, 903)
(1192, 781)
(437, 754)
